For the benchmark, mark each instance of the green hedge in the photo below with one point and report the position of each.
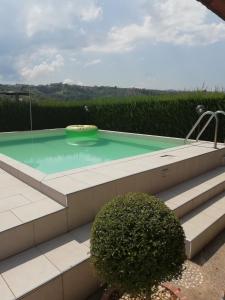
(167, 115)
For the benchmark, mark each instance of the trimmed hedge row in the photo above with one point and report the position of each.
(167, 115)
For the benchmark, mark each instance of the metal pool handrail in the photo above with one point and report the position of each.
(218, 112)
(206, 125)
(213, 115)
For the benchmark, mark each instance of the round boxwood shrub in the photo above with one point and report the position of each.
(137, 243)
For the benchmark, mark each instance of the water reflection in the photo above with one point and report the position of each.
(86, 141)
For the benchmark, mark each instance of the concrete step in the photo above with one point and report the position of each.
(188, 195)
(203, 224)
(37, 223)
(27, 216)
(58, 269)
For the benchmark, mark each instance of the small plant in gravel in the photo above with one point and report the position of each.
(136, 244)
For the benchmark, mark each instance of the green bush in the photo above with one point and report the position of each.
(137, 243)
(167, 115)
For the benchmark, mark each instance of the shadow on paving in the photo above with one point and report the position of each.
(97, 295)
(212, 249)
(211, 263)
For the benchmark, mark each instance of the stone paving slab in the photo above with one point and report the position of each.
(20, 203)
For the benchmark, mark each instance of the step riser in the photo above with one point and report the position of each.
(52, 193)
(197, 201)
(30, 234)
(84, 205)
(78, 283)
(193, 247)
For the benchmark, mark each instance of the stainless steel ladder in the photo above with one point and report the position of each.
(213, 115)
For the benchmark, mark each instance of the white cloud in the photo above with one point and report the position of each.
(62, 29)
(47, 61)
(73, 57)
(122, 39)
(68, 81)
(178, 22)
(186, 22)
(93, 62)
(78, 82)
(91, 12)
(50, 15)
(71, 82)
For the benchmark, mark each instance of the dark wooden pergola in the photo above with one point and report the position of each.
(216, 6)
(15, 94)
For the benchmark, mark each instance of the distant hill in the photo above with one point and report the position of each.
(60, 91)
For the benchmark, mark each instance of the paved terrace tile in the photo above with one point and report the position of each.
(20, 203)
(6, 293)
(26, 271)
(8, 220)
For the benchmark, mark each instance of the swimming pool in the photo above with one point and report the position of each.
(51, 151)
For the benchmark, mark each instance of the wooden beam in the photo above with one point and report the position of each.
(216, 6)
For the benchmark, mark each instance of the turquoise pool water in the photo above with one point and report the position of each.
(51, 151)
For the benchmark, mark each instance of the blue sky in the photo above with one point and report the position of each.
(162, 44)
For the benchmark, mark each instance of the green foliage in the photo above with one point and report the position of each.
(168, 115)
(137, 243)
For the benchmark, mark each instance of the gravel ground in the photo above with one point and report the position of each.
(161, 294)
(210, 263)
